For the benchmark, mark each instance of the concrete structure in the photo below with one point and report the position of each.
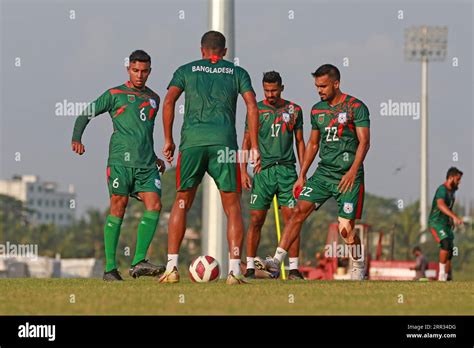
(47, 204)
(425, 44)
(214, 228)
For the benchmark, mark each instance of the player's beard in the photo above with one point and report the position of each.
(327, 98)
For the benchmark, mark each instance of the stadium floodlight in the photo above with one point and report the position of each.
(213, 234)
(425, 44)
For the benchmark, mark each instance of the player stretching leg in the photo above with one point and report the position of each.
(211, 86)
(442, 220)
(132, 164)
(279, 122)
(340, 126)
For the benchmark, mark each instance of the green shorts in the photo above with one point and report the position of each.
(318, 190)
(441, 232)
(219, 161)
(128, 181)
(275, 180)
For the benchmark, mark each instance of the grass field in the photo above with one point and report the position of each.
(146, 297)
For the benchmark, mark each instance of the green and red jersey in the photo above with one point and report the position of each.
(211, 89)
(436, 215)
(277, 126)
(338, 142)
(133, 114)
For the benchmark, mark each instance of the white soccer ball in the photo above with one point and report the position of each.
(204, 269)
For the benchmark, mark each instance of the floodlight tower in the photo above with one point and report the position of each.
(425, 44)
(214, 229)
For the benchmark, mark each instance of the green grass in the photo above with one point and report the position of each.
(146, 297)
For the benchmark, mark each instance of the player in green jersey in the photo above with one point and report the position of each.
(132, 163)
(211, 86)
(340, 127)
(442, 220)
(280, 124)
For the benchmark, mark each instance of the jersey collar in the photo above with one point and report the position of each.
(343, 99)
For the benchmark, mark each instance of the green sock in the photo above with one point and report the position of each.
(146, 231)
(111, 237)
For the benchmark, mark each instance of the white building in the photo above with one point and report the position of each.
(46, 203)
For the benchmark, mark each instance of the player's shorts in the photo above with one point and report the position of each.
(219, 161)
(275, 180)
(441, 233)
(125, 181)
(318, 190)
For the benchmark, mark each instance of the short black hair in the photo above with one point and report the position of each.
(139, 56)
(272, 77)
(453, 171)
(213, 40)
(417, 248)
(328, 69)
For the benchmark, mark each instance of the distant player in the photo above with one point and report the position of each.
(340, 127)
(442, 220)
(280, 125)
(421, 264)
(132, 164)
(211, 86)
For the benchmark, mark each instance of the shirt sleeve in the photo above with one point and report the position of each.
(99, 106)
(299, 118)
(314, 118)
(178, 79)
(441, 193)
(361, 114)
(244, 82)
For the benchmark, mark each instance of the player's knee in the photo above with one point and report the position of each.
(118, 205)
(256, 221)
(117, 211)
(346, 229)
(298, 215)
(156, 206)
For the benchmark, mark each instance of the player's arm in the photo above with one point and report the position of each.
(252, 119)
(246, 182)
(102, 104)
(299, 140)
(347, 181)
(446, 211)
(310, 152)
(168, 118)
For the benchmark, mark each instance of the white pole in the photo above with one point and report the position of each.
(214, 229)
(424, 145)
